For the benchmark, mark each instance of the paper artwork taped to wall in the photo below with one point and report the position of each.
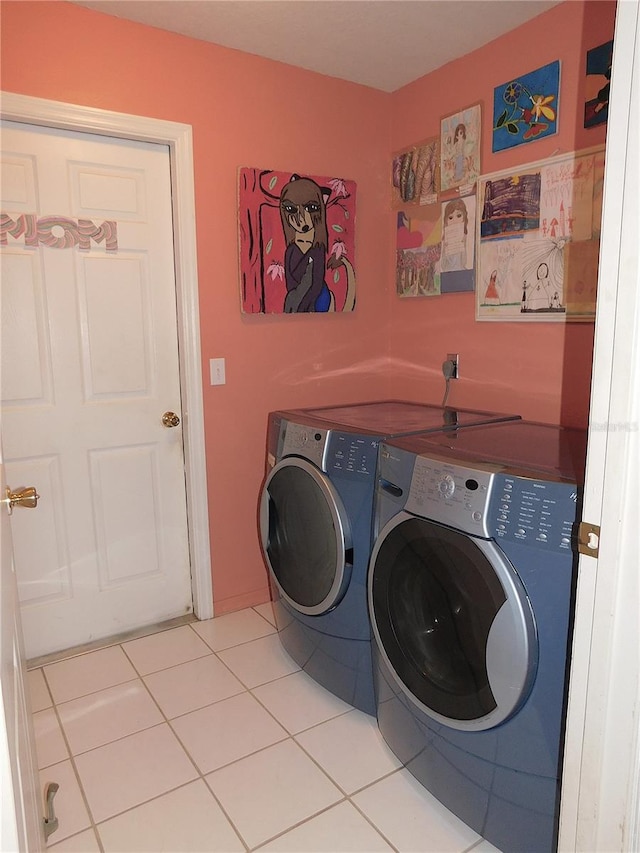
(537, 239)
(415, 174)
(297, 242)
(526, 108)
(596, 108)
(418, 246)
(457, 269)
(460, 152)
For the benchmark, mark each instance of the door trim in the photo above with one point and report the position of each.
(178, 138)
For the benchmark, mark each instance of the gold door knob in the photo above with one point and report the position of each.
(170, 419)
(27, 498)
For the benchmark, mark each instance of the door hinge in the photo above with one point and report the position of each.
(588, 539)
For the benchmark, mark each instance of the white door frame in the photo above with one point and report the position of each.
(178, 138)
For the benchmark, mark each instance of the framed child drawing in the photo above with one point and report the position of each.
(538, 239)
(297, 242)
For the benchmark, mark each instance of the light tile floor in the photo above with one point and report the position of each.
(207, 737)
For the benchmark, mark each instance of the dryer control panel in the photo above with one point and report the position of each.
(451, 494)
(305, 441)
(351, 455)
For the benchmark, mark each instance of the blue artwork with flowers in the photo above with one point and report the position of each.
(526, 108)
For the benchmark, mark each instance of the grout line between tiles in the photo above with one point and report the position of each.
(298, 824)
(200, 778)
(92, 828)
(72, 761)
(364, 815)
(195, 622)
(255, 606)
(226, 814)
(291, 734)
(235, 645)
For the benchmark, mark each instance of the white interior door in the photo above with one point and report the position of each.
(89, 367)
(21, 825)
(600, 807)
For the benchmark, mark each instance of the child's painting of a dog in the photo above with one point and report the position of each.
(297, 242)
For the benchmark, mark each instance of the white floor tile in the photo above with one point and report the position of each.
(84, 842)
(38, 691)
(266, 610)
(165, 649)
(298, 702)
(271, 791)
(341, 829)
(126, 773)
(222, 632)
(182, 821)
(192, 685)
(259, 661)
(50, 744)
(411, 819)
(351, 749)
(84, 674)
(221, 733)
(68, 802)
(108, 715)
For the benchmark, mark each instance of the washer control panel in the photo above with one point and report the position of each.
(539, 513)
(455, 495)
(483, 499)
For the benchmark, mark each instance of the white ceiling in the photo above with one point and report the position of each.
(384, 44)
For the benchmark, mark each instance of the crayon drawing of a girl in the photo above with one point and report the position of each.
(454, 237)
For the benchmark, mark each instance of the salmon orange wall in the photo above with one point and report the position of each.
(247, 111)
(540, 370)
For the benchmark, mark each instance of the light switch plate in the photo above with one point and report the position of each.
(217, 370)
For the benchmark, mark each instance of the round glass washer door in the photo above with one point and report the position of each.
(305, 536)
(453, 623)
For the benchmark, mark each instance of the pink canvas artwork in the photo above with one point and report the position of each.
(297, 242)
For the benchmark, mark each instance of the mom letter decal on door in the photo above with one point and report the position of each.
(89, 368)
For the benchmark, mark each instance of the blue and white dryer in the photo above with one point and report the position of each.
(471, 588)
(316, 518)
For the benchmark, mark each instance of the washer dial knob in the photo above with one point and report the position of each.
(446, 486)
